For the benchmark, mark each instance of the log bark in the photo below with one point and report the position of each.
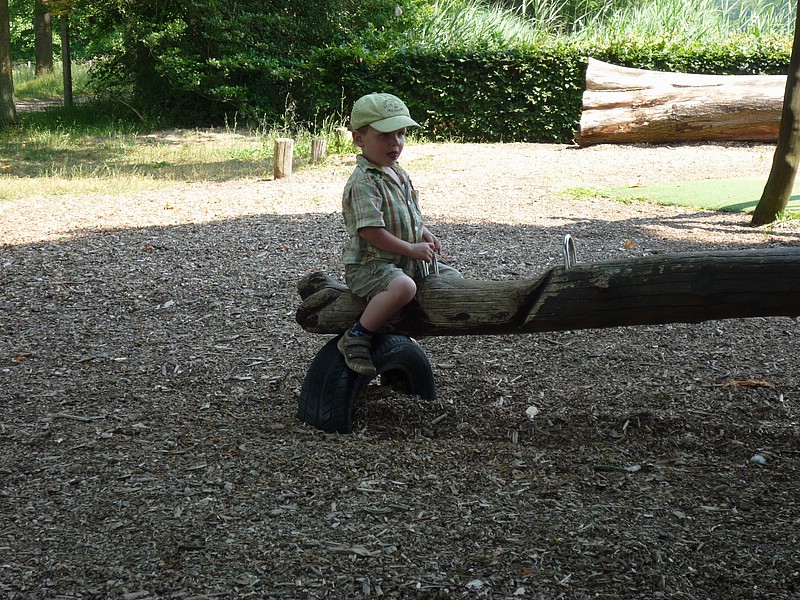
(667, 288)
(624, 105)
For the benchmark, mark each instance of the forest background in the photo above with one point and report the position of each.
(472, 70)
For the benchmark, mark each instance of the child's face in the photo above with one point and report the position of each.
(382, 149)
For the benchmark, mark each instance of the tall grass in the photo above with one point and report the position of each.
(473, 23)
(694, 20)
(477, 23)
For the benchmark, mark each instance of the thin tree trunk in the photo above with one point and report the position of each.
(66, 61)
(8, 112)
(778, 188)
(43, 39)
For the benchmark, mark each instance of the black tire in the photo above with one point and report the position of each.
(330, 389)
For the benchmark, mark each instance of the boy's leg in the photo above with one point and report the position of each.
(356, 344)
(401, 291)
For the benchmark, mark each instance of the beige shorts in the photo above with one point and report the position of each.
(374, 277)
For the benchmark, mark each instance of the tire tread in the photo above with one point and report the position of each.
(330, 389)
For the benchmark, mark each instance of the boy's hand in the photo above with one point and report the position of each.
(422, 251)
(381, 238)
(432, 239)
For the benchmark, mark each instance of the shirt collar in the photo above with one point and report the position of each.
(364, 163)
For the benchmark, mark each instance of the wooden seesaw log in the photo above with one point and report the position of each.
(663, 288)
(623, 105)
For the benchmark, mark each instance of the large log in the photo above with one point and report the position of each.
(666, 288)
(624, 105)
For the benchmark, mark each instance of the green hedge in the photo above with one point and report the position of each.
(516, 95)
(469, 96)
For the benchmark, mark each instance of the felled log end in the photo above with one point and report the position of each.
(443, 306)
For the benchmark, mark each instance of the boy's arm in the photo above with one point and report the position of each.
(383, 240)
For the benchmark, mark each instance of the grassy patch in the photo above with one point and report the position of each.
(582, 193)
(102, 147)
(43, 159)
(27, 86)
(727, 195)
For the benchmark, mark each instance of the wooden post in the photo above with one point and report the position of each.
(283, 157)
(318, 148)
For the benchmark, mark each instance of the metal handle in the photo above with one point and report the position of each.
(426, 267)
(570, 256)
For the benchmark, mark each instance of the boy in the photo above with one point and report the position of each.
(384, 224)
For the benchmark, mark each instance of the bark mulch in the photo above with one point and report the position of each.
(150, 368)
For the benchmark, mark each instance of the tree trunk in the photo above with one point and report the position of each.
(66, 61)
(778, 189)
(43, 39)
(8, 112)
(624, 105)
(667, 288)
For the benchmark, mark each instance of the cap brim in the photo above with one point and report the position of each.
(394, 123)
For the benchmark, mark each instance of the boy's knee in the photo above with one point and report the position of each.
(403, 287)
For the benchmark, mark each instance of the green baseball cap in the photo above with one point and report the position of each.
(384, 112)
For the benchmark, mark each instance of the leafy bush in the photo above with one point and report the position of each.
(208, 58)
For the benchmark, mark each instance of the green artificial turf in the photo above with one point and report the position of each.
(731, 195)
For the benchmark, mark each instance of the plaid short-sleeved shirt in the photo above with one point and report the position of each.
(373, 199)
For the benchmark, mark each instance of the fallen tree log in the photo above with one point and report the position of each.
(625, 105)
(666, 288)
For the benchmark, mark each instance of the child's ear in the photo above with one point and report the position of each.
(358, 139)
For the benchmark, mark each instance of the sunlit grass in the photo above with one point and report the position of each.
(41, 163)
(582, 193)
(691, 21)
(27, 86)
(75, 152)
(12, 188)
(456, 23)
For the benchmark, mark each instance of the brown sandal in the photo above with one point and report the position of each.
(356, 352)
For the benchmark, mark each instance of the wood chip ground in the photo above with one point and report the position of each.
(150, 367)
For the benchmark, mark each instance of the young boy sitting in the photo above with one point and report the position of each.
(387, 239)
